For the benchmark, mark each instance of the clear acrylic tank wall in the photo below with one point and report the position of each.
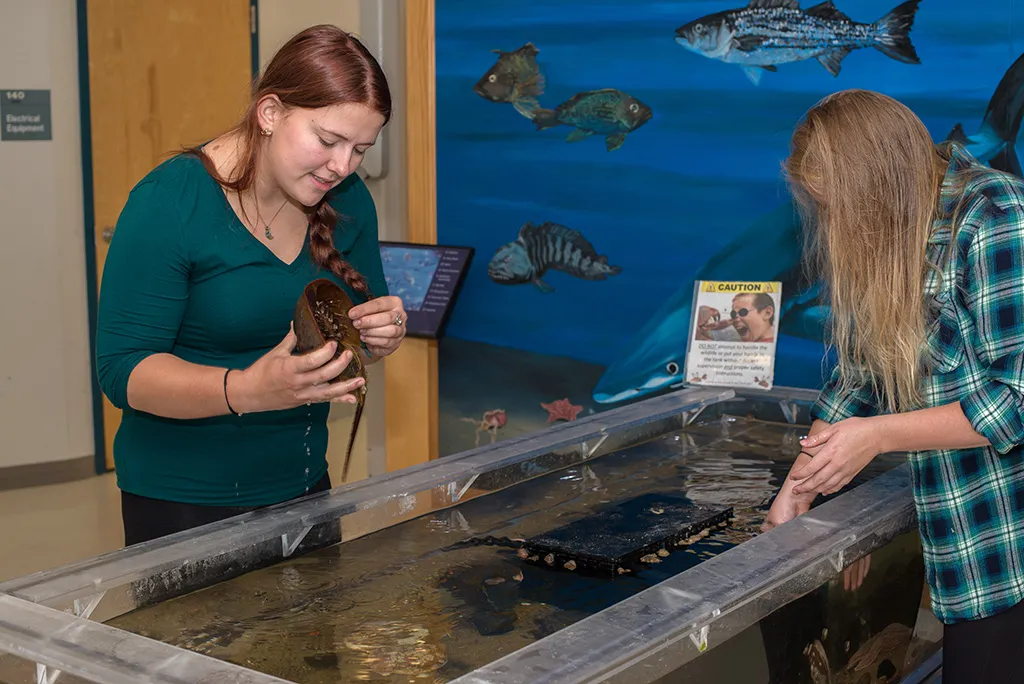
(417, 575)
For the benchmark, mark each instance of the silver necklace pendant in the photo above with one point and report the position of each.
(266, 226)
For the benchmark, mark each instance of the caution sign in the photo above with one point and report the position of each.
(733, 333)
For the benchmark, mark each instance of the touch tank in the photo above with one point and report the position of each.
(493, 566)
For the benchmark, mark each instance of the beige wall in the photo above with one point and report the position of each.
(45, 400)
(281, 19)
(45, 381)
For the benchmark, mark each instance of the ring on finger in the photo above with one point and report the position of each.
(398, 319)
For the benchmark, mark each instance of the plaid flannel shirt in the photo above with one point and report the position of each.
(970, 502)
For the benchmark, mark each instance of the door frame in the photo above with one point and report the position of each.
(89, 213)
(411, 373)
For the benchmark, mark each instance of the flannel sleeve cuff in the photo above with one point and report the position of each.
(832, 407)
(994, 414)
(826, 410)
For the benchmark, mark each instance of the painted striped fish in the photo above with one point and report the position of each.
(539, 248)
(767, 33)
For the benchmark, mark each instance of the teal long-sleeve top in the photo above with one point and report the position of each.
(184, 276)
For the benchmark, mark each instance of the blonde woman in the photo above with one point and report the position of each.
(921, 248)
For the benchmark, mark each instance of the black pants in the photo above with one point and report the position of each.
(145, 519)
(990, 650)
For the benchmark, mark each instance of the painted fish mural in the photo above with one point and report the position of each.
(769, 250)
(514, 78)
(607, 112)
(767, 33)
(539, 248)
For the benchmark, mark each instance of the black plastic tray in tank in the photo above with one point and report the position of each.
(615, 539)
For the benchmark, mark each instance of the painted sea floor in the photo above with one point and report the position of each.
(475, 378)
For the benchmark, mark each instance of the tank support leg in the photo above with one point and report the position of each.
(84, 606)
(465, 488)
(587, 452)
(690, 416)
(789, 409)
(700, 639)
(44, 675)
(289, 543)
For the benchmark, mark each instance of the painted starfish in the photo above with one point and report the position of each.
(561, 410)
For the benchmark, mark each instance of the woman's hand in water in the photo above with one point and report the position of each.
(280, 380)
(841, 451)
(381, 324)
(787, 504)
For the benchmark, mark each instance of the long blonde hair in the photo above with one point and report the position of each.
(866, 177)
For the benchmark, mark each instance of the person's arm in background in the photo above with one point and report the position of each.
(142, 301)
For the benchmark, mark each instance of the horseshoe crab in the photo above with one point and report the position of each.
(321, 315)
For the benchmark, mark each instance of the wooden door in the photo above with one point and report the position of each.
(162, 75)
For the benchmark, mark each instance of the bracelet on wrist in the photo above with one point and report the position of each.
(226, 400)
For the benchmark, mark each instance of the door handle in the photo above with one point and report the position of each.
(108, 233)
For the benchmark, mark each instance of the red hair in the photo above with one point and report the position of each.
(319, 67)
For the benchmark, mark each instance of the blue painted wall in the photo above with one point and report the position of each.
(684, 187)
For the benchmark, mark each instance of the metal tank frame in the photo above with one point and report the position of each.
(54, 619)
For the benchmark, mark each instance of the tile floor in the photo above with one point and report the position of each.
(44, 527)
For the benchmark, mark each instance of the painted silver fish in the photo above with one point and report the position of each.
(608, 112)
(767, 33)
(543, 247)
